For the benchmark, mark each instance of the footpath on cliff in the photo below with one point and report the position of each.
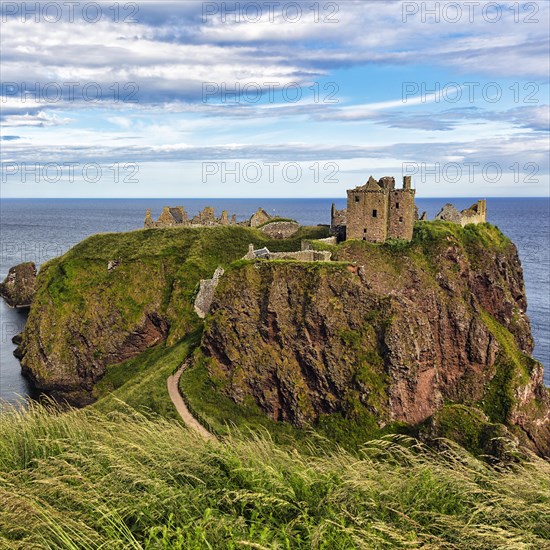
(190, 421)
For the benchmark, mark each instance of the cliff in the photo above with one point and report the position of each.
(430, 333)
(113, 296)
(397, 333)
(18, 287)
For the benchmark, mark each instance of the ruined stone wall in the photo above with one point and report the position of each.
(449, 214)
(306, 243)
(259, 217)
(280, 230)
(166, 219)
(467, 218)
(367, 215)
(302, 256)
(177, 216)
(204, 298)
(401, 214)
(477, 213)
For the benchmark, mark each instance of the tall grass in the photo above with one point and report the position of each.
(88, 480)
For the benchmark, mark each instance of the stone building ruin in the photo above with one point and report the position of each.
(177, 216)
(477, 213)
(376, 211)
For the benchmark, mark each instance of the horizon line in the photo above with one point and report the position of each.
(270, 198)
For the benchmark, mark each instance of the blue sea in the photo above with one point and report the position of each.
(39, 229)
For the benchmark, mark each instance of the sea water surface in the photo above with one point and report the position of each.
(39, 229)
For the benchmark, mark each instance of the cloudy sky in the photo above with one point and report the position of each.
(273, 99)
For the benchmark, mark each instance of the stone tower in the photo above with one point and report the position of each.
(377, 211)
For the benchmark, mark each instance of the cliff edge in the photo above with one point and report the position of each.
(430, 333)
(390, 334)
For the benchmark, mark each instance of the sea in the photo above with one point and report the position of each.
(40, 229)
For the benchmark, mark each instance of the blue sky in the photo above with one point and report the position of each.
(130, 104)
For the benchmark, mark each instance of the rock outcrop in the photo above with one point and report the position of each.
(387, 334)
(113, 296)
(393, 340)
(19, 286)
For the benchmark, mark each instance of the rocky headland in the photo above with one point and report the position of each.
(431, 334)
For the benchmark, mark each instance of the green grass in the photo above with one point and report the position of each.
(221, 414)
(513, 369)
(85, 480)
(141, 382)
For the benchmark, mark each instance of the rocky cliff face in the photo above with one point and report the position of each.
(19, 286)
(113, 296)
(393, 334)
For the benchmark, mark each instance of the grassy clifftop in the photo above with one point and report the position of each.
(386, 336)
(113, 296)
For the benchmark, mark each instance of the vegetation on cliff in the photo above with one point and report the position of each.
(312, 373)
(386, 337)
(376, 342)
(84, 480)
(114, 296)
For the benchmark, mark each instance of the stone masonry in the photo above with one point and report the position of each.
(477, 213)
(377, 211)
(177, 216)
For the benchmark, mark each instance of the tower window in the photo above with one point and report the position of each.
(396, 205)
(375, 213)
(357, 198)
(365, 230)
(400, 219)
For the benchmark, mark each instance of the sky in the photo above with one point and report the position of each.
(273, 99)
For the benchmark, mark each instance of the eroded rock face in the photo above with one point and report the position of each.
(395, 338)
(19, 286)
(72, 378)
(78, 326)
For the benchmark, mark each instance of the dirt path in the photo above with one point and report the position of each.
(181, 407)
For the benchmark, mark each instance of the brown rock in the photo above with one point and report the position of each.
(19, 286)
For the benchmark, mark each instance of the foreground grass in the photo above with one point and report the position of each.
(87, 480)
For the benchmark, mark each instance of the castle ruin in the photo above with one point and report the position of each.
(376, 211)
(477, 213)
(177, 216)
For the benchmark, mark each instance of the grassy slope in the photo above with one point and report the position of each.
(84, 480)
(141, 382)
(159, 271)
(107, 475)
